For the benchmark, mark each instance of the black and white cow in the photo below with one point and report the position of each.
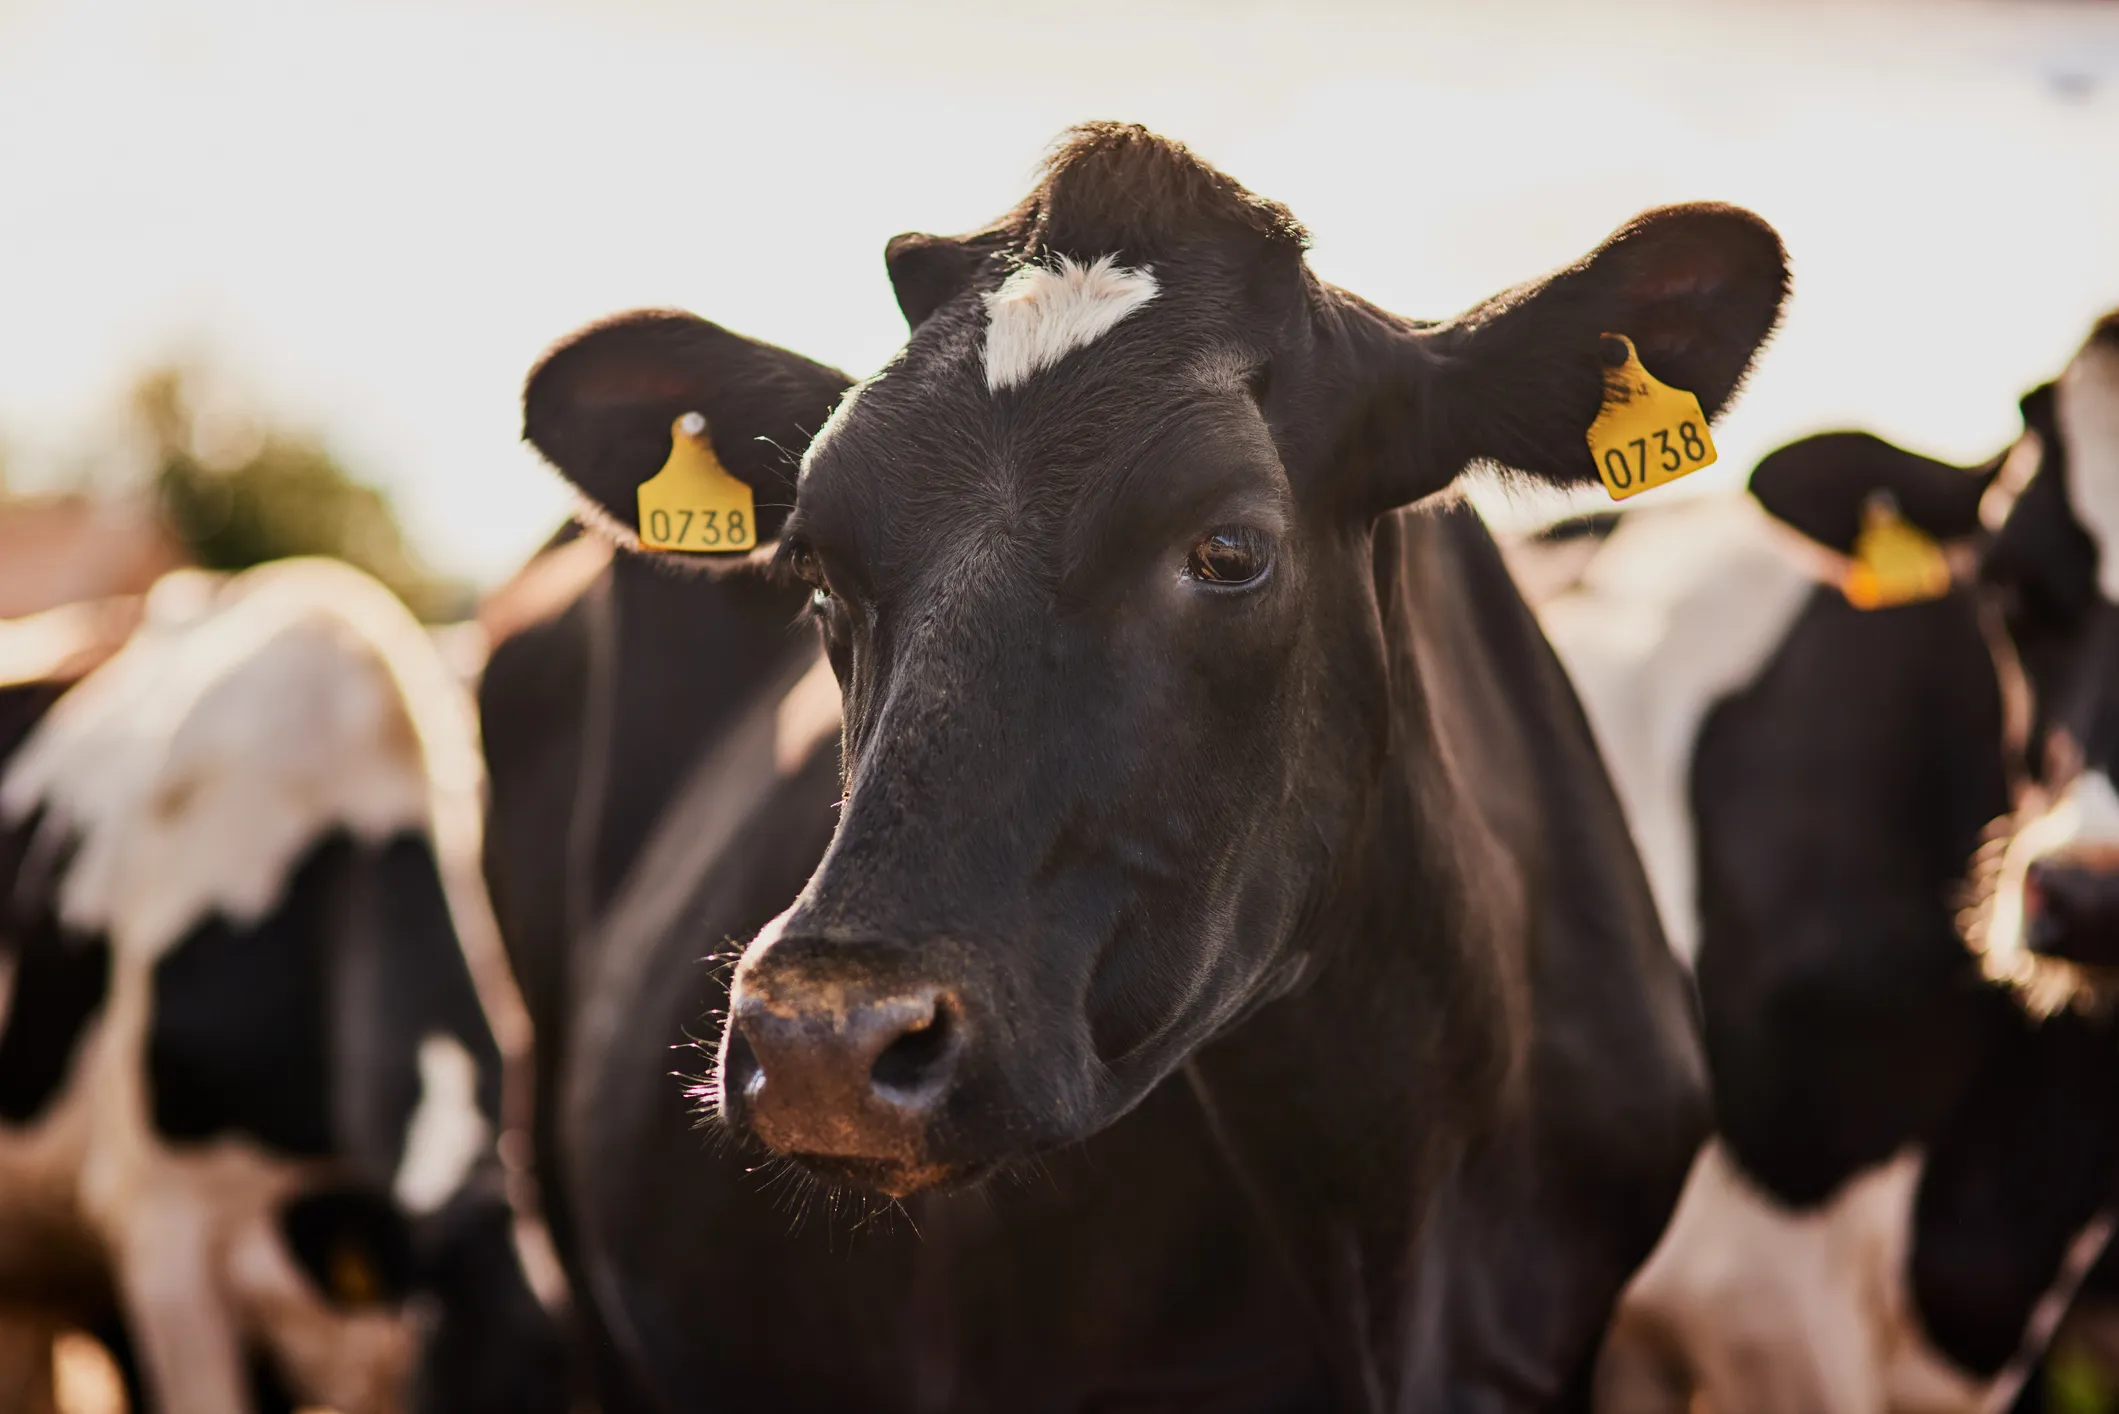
(1911, 1165)
(249, 1079)
(1221, 847)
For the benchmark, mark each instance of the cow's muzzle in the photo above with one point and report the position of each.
(835, 1060)
(2071, 904)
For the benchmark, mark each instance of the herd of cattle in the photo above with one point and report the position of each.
(1186, 923)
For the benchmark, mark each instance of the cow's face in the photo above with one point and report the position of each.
(1092, 560)
(367, 1308)
(2054, 570)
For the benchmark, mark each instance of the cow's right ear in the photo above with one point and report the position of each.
(1821, 485)
(600, 407)
(927, 271)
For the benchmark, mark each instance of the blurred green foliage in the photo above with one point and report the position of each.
(238, 493)
(2079, 1383)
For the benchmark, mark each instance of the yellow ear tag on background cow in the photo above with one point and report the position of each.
(1648, 434)
(693, 505)
(1894, 562)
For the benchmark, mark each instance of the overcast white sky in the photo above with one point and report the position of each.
(373, 216)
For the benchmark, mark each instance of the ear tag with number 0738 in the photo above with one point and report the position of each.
(693, 504)
(1648, 434)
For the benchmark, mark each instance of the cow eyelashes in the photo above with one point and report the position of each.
(803, 562)
(1232, 557)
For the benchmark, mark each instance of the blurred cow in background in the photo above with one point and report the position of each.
(1914, 1168)
(254, 1006)
(63, 549)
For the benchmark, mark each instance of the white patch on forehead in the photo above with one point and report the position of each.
(447, 1131)
(1683, 606)
(2086, 407)
(1038, 316)
(194, 768)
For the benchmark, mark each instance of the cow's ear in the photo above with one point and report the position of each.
(1517, 381)
(1821, 486)
(2037, 407)
(926, 271)
(601, 404)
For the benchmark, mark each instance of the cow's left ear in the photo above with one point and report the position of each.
(600, 407)
(1517, 381)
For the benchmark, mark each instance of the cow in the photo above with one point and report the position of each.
(1227, 967)
(255, 1008)
(1911, 1162)
(607, 693)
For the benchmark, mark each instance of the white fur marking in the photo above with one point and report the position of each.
(92, 1166)
(1684, 605)
(2087, 410)
(447, 1131)
(1782, 1310)
(1039, 316)
(2087, 813)
(199, 762)
(840, 412)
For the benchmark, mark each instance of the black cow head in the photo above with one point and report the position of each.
(2053, 570)
(1091, 558)
(1823, 486)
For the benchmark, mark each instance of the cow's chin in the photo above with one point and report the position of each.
(891, 1178)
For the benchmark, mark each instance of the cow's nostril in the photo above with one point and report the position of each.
(918, 1057)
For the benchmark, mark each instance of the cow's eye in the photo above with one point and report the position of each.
(1230, 557)
(803, 561)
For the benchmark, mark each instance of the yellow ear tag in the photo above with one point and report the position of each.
(1894, 562)
(1648, 434)
(693, 505)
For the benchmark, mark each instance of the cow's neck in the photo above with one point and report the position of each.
(1347, 1105)
(676, 641)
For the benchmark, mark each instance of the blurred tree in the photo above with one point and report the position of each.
(238, 493)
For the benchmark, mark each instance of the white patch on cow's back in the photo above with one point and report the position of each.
(195, 767)
(447, 1131)
(1684, 605)
(2086, 408)
(1039, 315)
(46, 645)
(1780, 1310)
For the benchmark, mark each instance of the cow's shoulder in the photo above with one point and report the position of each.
(1680, 605)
